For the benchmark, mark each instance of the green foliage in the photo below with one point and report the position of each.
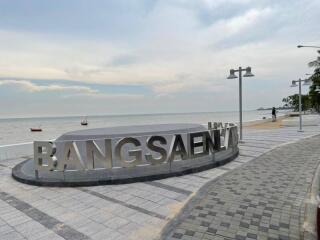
(311, 100)
(293, 101)
(314, 95)
(315, 63)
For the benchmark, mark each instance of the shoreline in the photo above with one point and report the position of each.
(266, 123)
(18, 131)
(260, 123)
(118, 115)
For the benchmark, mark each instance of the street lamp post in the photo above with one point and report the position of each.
(294, 84)
(232, 76)
(301, 46)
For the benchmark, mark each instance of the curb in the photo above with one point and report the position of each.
(196, 198)
(310, 228)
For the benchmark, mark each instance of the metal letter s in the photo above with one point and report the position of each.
(162, 151)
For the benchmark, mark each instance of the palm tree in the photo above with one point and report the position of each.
(315, 63)
(314, 95)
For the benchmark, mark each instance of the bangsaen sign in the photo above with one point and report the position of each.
(122, 158)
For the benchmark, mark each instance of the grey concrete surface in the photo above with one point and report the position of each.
(138, 130)
(128, 211)
(263, 199)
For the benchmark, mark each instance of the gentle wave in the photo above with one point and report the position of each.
(17, 130)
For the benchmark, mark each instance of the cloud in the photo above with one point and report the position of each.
(123, 60)
(247, 20)
(71, 91)
(32, 87)
(171, 40)
(123, 96)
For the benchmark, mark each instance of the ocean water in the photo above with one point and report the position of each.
(17, 130)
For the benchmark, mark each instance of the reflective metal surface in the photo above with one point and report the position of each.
(162, 151)
(136, 153)
(133, 156)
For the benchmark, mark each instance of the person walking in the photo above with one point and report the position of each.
(274, 116)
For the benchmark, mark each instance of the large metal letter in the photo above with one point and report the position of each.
(233, 137)
(162, 151)
(216, 139)
(217, 125)
(226, 138)
(71, 158)
(43, 152)
(177, 148)
(209, 144)
(202, 143)
(96, 157)
(137, 153)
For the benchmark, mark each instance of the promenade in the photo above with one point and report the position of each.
(264, 199)
(258, 194)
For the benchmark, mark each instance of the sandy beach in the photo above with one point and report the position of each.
(268, 125)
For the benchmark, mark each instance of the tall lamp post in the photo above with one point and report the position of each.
(294, 84)
(301, 46)
(232, 76)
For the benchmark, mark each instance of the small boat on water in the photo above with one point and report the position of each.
(84, 122)
(35, 129)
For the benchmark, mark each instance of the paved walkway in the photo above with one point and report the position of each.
(128, 211)
(263, 199)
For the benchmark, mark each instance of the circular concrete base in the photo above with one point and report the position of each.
(94, 178)
(131, 131)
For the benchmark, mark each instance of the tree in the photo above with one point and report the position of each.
(315, 63)
(314, 95)
(293, 101)
(311, 100)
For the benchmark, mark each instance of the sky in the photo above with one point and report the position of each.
(93, 57)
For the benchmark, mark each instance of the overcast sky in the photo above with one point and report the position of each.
(81, 57)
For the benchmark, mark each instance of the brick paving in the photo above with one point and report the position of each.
(130, 211)
(262, 199)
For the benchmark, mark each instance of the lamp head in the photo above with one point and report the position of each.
(307, 82)
(294, 84)
(248, 72)
(232, 75)
(299, 46)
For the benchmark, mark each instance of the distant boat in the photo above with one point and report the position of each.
(35, 129)
(84, 122)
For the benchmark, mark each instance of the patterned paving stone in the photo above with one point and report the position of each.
(141, 210)
(262, 199)
(43, 222)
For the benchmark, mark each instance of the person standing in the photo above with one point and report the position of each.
(274, 116)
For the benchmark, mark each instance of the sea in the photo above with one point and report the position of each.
(17, 130)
